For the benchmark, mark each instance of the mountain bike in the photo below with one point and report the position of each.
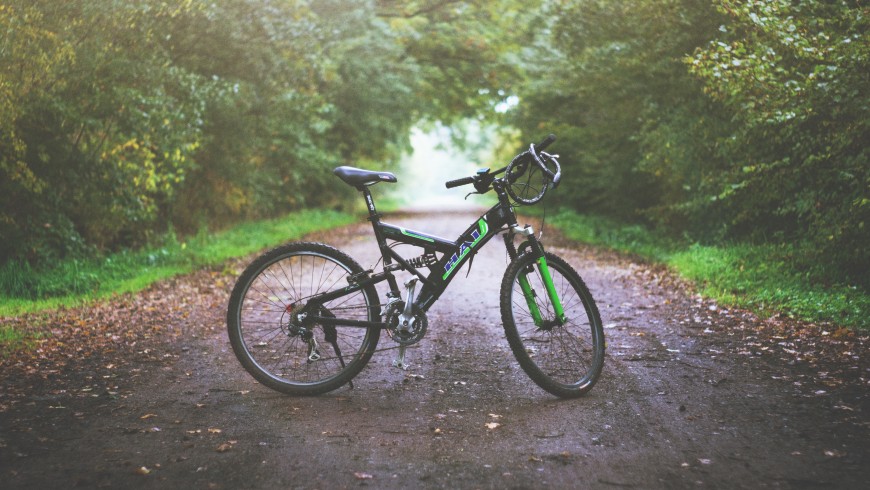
(305, 318)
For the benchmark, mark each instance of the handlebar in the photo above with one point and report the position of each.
(458, 182)
(546, 142)
(535, 150)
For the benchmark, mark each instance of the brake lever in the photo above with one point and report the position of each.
(554, 178)
(482, 182)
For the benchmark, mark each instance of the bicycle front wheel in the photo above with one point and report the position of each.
(294, 357)
(561, 348)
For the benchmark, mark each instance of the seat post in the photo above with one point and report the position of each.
(373, 212)
(375, 218)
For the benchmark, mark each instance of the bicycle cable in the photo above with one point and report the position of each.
(543, 220)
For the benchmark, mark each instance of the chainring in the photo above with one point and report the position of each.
(405, 335)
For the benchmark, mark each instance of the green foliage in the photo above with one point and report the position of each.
(764, 278)
(774, 278)
(795, 76)
(99, 131)
(726, 120)
(24, 288)
(120, 120)
(613, 234)
(714, 121)
(12, 340)
(609, 80)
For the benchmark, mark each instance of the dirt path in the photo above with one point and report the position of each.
(692, 396)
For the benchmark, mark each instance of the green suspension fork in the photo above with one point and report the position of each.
(530, 295)
(551, 290)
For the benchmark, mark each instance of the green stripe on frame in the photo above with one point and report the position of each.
(408, 233)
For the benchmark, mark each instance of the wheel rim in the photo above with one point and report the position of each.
(566, 354)
(280, 348)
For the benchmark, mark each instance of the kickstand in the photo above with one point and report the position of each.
(399, 362)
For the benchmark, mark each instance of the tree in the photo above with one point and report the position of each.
(795, 76)
(608, 78)
(124, 119)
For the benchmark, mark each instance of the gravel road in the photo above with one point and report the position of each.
(691, 397)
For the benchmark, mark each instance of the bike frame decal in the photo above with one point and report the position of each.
(465, 247)
(414, 235)
(416, 238)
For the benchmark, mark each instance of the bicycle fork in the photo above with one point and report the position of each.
(544, 270)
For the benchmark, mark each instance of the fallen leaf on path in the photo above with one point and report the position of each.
(148, 416)
(224, 447)
(492, 425)
(362, 476)
(142, 471)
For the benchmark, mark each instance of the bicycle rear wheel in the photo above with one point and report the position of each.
(283, 353)
(564, 357)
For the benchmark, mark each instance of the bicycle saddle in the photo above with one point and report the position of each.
(358, 177)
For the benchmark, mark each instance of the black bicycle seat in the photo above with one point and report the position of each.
(358, 177)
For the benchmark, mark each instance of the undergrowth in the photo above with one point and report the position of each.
(12, 339)
(766, 278)
(27, 289)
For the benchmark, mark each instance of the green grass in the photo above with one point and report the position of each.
(11, 339)
(767, 279)
(73, 282)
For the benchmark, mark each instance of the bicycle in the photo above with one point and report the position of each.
(305, 318)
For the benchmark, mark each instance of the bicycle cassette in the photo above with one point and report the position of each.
(405, 333)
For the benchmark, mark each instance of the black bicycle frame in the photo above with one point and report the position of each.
(455, 254)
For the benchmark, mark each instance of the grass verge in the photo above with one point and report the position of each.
(767, 279)
(12, 340)
(74, 282)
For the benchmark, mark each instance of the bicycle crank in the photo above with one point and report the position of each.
(406, 323)
(405, 330)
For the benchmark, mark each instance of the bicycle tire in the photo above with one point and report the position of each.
(268, 345)
(565, 360)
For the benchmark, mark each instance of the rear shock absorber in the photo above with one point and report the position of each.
(428, 259)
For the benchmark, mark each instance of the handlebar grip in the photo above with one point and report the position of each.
(458, 182)
(545, 143)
